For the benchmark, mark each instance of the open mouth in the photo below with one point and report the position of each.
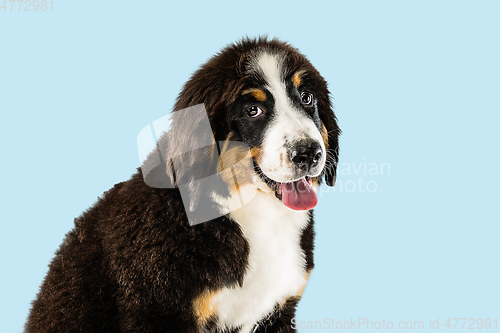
(297, 195)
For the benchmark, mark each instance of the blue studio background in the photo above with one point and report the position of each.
(411, 231)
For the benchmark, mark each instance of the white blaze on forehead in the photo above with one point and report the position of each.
(271, 67)
(289, 123)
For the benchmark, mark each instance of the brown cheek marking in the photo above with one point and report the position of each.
(204, 307)
(297, 78)
(258, 94)
(315, 181)
(235, 167)
(256, 153)
(324, 135)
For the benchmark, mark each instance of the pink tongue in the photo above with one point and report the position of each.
(298, 195)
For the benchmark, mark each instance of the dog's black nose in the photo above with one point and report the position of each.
(305, 154)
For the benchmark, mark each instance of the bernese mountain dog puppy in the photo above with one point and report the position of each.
(140, 260)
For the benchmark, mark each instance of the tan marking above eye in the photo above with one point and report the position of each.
(297, 78)
(258, 94)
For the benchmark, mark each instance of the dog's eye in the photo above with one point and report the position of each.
(306, 98)
(253, 111)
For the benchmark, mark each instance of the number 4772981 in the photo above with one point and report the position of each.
(27, 5)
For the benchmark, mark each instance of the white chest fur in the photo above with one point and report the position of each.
(276, 266)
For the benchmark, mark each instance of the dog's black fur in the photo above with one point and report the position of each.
(132, 263)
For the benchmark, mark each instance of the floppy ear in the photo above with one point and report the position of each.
(184, 150)
(330, 133)
(186, 157)
(189, 149)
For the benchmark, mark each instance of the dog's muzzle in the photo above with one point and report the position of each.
(305, 156)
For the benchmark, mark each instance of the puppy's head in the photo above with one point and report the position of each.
(265, 94)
